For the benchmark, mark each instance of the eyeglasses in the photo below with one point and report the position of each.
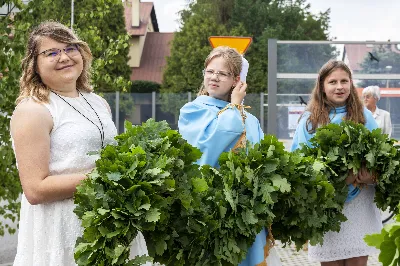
(54, 53)
(367, 96)
(221, 75)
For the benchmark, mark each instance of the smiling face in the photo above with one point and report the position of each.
(337, 87)
(219, 85)
(58, 71)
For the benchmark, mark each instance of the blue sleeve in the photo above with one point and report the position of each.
(301, 134)
(213, 134)
(352, 192)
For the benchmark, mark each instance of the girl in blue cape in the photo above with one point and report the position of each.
(334, 99)
(216, 122)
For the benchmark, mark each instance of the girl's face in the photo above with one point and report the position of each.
(58, 68)
(218, 80)
(337, 87)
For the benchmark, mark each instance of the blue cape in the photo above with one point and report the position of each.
(202, 127)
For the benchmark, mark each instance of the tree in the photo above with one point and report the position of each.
(388, 62)
(109, 73)
(261, 19)
(189, 49)
(11, 51)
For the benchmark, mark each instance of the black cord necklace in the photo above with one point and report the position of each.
(101, 124)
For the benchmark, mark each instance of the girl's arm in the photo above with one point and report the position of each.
(31, 125)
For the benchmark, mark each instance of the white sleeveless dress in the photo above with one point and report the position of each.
(363, 219)
(48, 232)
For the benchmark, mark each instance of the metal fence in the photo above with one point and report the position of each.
(293, 68)
(138, 107)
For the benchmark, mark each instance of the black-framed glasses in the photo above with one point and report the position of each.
(55, 53)
(221, 75)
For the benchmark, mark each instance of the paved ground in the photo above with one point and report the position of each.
(290, 257)
(8, 244)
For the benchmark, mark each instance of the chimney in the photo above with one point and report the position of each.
(135, 13)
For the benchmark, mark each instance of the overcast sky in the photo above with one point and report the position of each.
(351, 20)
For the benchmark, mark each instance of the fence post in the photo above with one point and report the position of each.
(153, 105)
(189, 96)
(272, 86)
(262, 110)
(117, 111)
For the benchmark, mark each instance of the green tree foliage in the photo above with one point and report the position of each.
(387, 56)
(144, 86)
(260, 19)
(11, 50)
(189, 49)
(98, 22)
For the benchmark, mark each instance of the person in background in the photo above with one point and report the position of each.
(58, 120)
(371, 95)
(216, 122)
(334, 99)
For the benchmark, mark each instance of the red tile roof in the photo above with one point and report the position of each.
(157, 47)
(356, 54)
(146, 13)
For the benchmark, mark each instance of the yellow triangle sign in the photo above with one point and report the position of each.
(239, 43)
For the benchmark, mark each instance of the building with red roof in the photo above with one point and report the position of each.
(149, 48)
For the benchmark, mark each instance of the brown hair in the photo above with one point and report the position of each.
(319, 106)
(30, 82)
(232, 58)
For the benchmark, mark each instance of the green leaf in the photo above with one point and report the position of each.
(388, 252)
(375, 240)
(199, 185)
(249, 217)
(153, 215)
(280, 183)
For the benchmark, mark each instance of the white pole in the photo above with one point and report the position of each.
(72, 14)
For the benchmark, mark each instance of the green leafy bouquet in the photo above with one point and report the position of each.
(347, 147)
(133, 188)
(189, 215)
(309, 210)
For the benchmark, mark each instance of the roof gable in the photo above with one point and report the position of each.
(146, 12)
(156, 49)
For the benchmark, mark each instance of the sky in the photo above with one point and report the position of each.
(351, 20)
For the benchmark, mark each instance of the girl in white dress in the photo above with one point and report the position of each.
(57, 122)
(334, 99)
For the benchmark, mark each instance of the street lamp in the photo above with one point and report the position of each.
(72, 13)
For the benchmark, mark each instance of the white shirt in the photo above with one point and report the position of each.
(382, 118)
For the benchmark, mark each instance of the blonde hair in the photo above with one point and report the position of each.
(319, 106)
(31, 84)
(233, 61)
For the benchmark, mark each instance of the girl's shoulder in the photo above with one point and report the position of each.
(370, 121)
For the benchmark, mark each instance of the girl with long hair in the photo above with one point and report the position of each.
(334, 99)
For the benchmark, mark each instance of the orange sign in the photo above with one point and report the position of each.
(239, 43)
